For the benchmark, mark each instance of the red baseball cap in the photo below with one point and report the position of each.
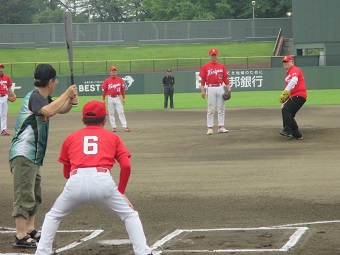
(213, 51)
(113, 68)
(94, 110)
(287, 59)
(2, 65)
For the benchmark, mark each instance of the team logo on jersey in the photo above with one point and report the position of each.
(128, 80)
(113, 85)
(214, 71)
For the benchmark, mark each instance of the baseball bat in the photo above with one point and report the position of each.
(69, 42)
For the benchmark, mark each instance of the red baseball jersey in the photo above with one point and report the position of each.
(92, 146)
(300, 88)
(213, 73)
(5, 83)
(113, 86)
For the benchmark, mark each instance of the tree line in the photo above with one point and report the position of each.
(83, 11)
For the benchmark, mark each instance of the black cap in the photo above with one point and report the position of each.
(44, 72)
(169, 70)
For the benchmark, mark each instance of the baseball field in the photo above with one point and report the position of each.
(249, 191)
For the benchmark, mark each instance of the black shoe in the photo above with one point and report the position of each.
(24, 243)
(285, 133)
(35, 235)
(296, 136)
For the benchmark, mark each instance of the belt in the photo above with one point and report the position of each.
(2, 95)
(99, 170)
(114, 95)
(214, 85)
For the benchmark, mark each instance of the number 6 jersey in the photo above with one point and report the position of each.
(92, 146)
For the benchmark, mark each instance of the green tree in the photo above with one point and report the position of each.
(18, 11)
(48, 11)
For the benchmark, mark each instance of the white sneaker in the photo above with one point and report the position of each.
(210, 131)
(222, 130)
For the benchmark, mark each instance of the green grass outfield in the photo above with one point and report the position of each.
(145, 58)
(195, 101)
(169, 51)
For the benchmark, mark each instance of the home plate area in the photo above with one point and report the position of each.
(280, 239)
(265, 239)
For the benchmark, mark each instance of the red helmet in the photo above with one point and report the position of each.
(213, 51)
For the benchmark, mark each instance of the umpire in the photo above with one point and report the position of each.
(168, 84)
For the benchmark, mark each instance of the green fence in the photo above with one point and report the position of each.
(26, 69)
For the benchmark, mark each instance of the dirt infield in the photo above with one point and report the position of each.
(183, 179)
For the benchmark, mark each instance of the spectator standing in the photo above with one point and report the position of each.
(28, 149)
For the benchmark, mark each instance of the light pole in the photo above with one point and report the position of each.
(253, 4)
(89, 8)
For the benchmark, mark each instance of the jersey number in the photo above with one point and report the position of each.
(90, 145)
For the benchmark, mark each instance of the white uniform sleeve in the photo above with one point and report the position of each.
(292, 83)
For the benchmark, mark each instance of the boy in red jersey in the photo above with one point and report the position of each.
(88, 156)
(214, 77)
(293, 98)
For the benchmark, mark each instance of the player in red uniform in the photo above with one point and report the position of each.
(114, 87)
(88, 156)
(296, 89)
(5, 88)
(214, 77)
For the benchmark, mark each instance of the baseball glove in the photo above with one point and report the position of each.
(284, 96)
(226, 95)
(12, 99)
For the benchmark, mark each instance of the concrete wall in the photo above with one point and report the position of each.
(316, 25)
(135, 33)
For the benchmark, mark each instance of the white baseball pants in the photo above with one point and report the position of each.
(115, 103)
(215, 99)
(90, 186)
(3, 112)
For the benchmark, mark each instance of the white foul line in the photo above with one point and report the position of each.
(93, 234)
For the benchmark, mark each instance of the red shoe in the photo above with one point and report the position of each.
(114, 130)
(127, 129)
(4, 132)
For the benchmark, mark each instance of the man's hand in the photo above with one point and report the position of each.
(203, 93)
(72, 92)
(74, 101)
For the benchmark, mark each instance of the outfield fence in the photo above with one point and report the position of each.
(25, 69)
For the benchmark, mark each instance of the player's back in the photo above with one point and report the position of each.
(92, 146)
